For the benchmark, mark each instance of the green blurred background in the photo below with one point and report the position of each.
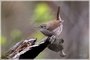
(20, 19)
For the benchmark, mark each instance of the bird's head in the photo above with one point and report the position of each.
(43, 26)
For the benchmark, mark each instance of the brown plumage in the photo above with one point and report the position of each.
(53, 24)
(47, 28)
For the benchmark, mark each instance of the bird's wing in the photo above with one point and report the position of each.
(58, 30)
(46, 32)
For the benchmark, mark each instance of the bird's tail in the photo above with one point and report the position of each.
(58, 13)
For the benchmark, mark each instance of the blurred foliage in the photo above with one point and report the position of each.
(16, 34)
(42, 13)
(38, 35)
(2, 40)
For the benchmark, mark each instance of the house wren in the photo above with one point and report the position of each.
(47, 28)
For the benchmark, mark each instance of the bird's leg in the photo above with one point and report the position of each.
(57, 45)
(62, 53)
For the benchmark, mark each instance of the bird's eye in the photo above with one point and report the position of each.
(44, 26)
(41, 26)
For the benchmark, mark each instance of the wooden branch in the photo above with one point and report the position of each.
(29, 52)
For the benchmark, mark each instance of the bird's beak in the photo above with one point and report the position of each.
(37, 27)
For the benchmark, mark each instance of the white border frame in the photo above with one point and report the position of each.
(44, 0)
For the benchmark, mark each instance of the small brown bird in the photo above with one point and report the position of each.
(47, 28)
